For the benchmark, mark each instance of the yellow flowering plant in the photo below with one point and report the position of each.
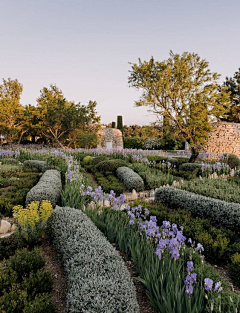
(31, 221)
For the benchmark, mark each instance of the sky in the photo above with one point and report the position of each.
(85, 46)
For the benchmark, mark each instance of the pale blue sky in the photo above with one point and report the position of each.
(84, 46)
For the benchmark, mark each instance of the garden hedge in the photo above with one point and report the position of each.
(98, 280)
(220, 213)
(49, 188)
(130, 179)
(40, 165)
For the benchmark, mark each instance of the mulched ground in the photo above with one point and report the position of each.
(54, 266)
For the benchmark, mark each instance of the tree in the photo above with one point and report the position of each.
(60, 119)
(233, 88)
(184, 90)
(10, 109)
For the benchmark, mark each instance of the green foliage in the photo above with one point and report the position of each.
(219, 213)
(87, 139)
(15, 182)
(214, 188)
(133, 143)
(100, 282)
(71, 195)
(183, 89)
(110, 165)
(164, 280)
(97, 159)
(40, 165)
(24, 262)
(234, 268)
(24, 282)
(8, 246)
(9, 161)
(130, 179)
(109, 182)
(190, 167)
(233, 161)
(113, 124)
(120, 122)
(41, 304)
(233, 88)
(153, 178)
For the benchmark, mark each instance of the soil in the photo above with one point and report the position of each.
(54, 266)
(142, 298)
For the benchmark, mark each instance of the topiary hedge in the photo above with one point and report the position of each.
(97, 277)
(130, 179)
(49, 188)
(110, 165)
(190, 167)
(219, 212)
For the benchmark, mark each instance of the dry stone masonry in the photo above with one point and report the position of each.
(110, 138)
(225, 138)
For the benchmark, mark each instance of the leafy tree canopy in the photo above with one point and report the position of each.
(183, 89)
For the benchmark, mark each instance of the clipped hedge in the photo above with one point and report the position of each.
(49, 188)
(130, 179)
(190, 167)
(110, 165)
(220, 213)
(40, 165)
(98, 280)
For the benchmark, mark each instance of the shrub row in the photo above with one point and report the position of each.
(110, 165)
(153, 178)
(97, 277)
(215, 188)
(40, 165)
(219, 212)
(130, 179)
(190, 167)
(25, 285)
(48, 188)
(109, 182)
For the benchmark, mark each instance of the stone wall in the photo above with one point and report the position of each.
(225, 138)
(110, 135)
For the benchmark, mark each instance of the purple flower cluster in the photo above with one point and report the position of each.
(137, 213)
(191, 279)
(96, 194)
(116, 202)
(73, 170)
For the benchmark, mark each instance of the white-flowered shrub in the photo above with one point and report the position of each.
(98, 280)
(130, 179)
(49, 188)
(220, 213)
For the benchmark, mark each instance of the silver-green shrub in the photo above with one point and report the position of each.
(237, 174)
(98, 280)
(130, 179)
(40, 165)
(220, 213)
(49, 188)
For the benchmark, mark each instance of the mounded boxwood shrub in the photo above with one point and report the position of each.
(233, 161)
(110, 165)
(130, 179)
(234, 268)
(190, 167)
(97, 277)
(220, 213)
(49, 188)
(95, 160)
(40, 165)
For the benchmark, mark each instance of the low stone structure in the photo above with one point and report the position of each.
(225, 138)
(110, 138)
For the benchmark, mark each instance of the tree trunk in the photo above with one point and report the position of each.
(195, 153)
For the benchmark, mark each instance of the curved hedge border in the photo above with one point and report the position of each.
(219, 212)
(190, 167)
(49, 188)
(130, 179)
(98, 280)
